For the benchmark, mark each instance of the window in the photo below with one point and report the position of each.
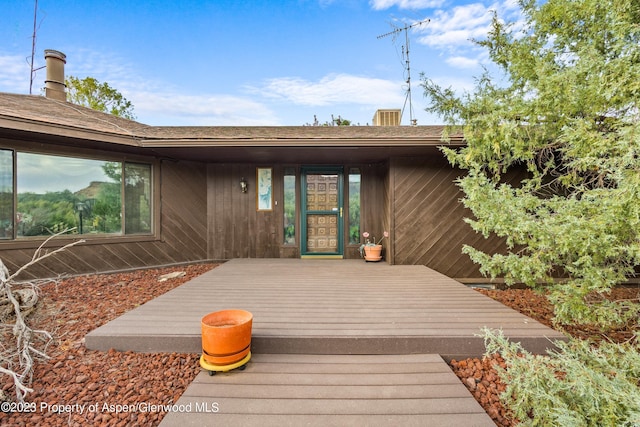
(290, 206)
(354, 206)
(6, 194)
(57, 193)
(137, 192)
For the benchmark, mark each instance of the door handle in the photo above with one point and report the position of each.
(340, 212)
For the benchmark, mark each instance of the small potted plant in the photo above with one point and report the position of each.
(371, 250)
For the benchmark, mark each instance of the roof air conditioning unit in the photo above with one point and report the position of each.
(387, 118)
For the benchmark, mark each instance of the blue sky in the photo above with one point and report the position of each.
(239, 63)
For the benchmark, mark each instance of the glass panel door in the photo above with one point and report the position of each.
(322, 211)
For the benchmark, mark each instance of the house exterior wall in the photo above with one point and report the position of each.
(237, 230)
(427, 218)
(181, 237)
(204, 215)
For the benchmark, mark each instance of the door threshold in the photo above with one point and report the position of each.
(321, 256)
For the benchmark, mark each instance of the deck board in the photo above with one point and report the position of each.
(334, 343)
(326, 390)
(325, 306)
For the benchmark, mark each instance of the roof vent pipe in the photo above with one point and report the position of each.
(54, 86)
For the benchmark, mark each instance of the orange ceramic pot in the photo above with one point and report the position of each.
(373, 253)
(226, 336)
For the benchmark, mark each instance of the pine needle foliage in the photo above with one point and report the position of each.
(577, 385)
(568, 114)
(565, 114)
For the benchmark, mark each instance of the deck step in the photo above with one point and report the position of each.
(325, 307)
(330, 390)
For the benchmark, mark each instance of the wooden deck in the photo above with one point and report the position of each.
(322, 390)
(334, 342)
(325, 307)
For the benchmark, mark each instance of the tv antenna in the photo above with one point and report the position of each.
(407, 64)
(33, 48)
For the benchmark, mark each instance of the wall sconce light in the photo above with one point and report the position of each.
(243, 185)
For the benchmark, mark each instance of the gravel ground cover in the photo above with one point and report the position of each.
(479, 375)
(79, 387)
(116, 388)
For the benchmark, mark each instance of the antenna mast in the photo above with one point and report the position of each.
(33, 47)
(407, 64)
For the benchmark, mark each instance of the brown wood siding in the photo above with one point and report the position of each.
(235, 228)
(427, 216)
(372, 201)
(182, 233)
(184, 209)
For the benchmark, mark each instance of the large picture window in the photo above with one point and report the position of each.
(57, 193)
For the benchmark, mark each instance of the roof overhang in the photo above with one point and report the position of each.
(294, 151)
(41, 120)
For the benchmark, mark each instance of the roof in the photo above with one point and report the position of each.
(25, 115)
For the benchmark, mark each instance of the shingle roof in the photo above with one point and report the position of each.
(34, 108)
(22, 112)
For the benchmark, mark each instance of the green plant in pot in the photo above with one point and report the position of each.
(371, 249)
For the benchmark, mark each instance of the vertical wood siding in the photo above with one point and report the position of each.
(374, 204)
(235, 228)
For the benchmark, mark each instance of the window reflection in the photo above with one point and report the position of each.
(58, 193)
(354, 206)
(289, 206)
(6, 194)
(137, 206)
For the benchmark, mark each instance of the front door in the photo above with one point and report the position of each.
(322, 212)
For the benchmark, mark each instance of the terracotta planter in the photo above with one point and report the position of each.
(373, 253)
(226, 336)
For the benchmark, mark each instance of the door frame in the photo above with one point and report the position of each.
(328, 169)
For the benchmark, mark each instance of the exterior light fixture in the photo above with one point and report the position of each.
(243, 185)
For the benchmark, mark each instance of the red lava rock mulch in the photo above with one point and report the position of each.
(130, 389)
(479, 375)
(116, 388)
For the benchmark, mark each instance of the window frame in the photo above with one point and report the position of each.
(350, 169)
(296, 200)
(88, 154)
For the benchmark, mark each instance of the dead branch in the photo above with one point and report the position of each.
(17, 359)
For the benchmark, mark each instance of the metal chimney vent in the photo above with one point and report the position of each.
(54, 86)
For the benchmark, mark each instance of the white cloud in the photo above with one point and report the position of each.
(452, 31)
(162, 103)
(455, 28)
(462, 62)
(332, 89)
(14, 74)
(106, 67)
(405, 4)
(173, 109)
(458, 84)
(63, 173)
